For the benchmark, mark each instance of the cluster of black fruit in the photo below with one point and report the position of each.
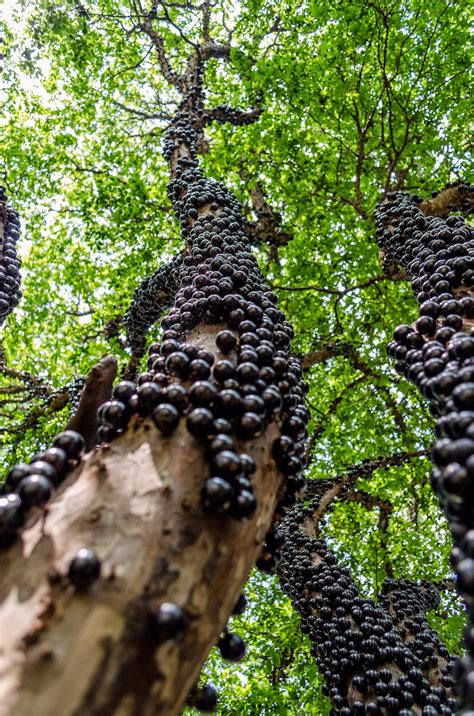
(367, 667)
(224, 114)
(29, 485)
(437, 354)
(149, 301)
(409, 602)
(233, 392)
(74, 389)
(10, 292)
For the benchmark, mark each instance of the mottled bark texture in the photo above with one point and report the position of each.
(458, 196)
(137, 504)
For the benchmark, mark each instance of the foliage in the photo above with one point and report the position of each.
(358, 98)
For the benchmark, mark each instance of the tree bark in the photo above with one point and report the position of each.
(458, 196)
(97, 389)
(136, 503)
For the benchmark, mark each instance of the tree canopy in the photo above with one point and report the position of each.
(356, 99)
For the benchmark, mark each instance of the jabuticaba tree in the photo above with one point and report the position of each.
(120, 569)
(437, 354)
(319, 66)
(376, 657)
(10, 292)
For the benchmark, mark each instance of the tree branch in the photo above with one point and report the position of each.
(323, 492)
(458, 196)
(267, 227)
(150, 299)
(321, 426)
(354, 653)
(97, 389)
(168, 73)
(223, 114)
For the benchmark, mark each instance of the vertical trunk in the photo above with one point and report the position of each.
(437, 354)
(177, 507)
(137, 504)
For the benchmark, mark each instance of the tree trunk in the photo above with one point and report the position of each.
(408, 603)
(367, 663)
(437, 354)
(137, 502)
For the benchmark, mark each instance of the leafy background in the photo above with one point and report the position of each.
(358, 98)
